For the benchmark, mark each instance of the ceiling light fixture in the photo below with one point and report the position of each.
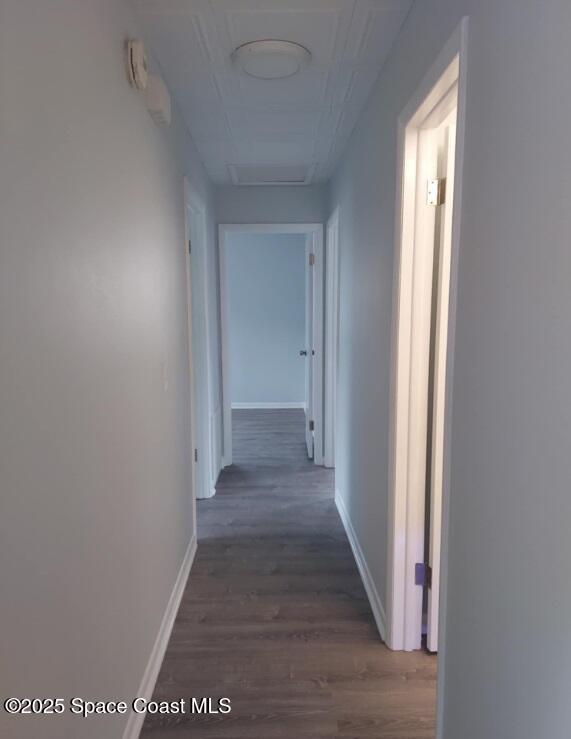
(271, 59)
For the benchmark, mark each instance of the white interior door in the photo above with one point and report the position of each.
(192, 393)
(418, 380)
(443, 234)
(415, 502)
(308, 349)
(331, 337)
(199, 373)
(198, 272)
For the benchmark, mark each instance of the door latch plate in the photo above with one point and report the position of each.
(423, 575)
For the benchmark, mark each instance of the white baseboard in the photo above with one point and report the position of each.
(147, 686)
(277, 404)
(372, 593)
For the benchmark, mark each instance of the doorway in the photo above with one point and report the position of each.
(331, 336)
(310, 351)
(205, 452)
(430, 153)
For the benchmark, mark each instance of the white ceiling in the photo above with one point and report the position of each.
(293, 128)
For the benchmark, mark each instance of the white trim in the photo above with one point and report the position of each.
(315, 230)
(307, 345)
(135, 720)
(462, 43)
(448, 69)
(191, 369)
(331, 337)
(224, 357)
(318, 336)
(442, 305)
(264, 405)
(370, 587)
(204, 433)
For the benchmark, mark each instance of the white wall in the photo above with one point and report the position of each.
(508, 652)
(275, 204)
(96, 511)
(266, 317)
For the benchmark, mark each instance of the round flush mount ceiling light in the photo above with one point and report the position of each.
(271, 59)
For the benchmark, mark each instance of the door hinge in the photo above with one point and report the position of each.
(423, 575)
(436, 192)
(189, 246)
(196, 455)
(311, 260)
(312, 425)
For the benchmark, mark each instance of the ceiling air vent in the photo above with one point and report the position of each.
(271, 174)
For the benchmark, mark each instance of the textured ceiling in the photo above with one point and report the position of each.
(244, 127)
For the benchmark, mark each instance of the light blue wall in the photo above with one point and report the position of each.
(276, 204)
(94, 375)
(509, 596)
(266, 317)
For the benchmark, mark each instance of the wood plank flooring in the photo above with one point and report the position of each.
(275, 616)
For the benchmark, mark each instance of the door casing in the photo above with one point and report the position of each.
(444, 146)
(308, 347)
(314, 233)
(331, 336)
(406, 501)
(191, 369)
(205, 472)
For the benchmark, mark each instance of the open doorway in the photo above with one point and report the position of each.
(205, 452)
(271, 289)
(331, 337)
(193, 455)
(430, 164)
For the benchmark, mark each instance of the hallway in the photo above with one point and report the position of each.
(347, 221)
(275, 616)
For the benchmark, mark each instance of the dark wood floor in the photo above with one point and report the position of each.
(275, 616)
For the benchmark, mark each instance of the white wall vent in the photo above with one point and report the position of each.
(271, 174)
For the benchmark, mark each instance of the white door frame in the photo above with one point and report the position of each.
(191, 375)
(309, 369)
(406, 499)
(441, 280)
(315, 230)
(331, 335)
(195, 214)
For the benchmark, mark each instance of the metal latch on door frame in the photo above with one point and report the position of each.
(423, 574)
